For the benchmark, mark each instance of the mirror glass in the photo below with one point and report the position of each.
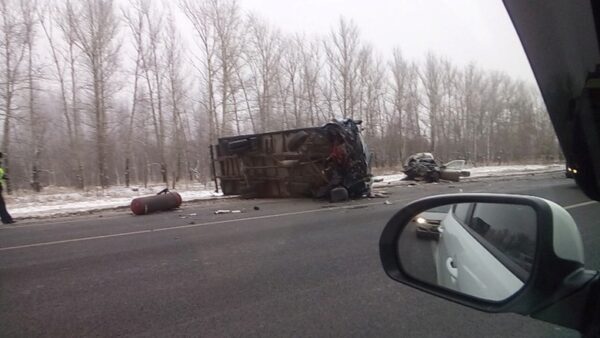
(484, 250)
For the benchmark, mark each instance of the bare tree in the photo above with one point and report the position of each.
(153, 73)
(64, 61)
(176, 90)
(96, 29)
(492, 99)
(13, 50)
(291, 66)
(70, 36)
(400, 73)
(470, 86)
(371, 85)
(244, 88)
(342, 50)
(199, 14)
(431, 79)
(311, 64)
(227, 23)
(263, 58)
(413, 100)
(135, 21)
(29, 22)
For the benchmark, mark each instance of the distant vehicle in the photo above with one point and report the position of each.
(571, 170)
(428, 224)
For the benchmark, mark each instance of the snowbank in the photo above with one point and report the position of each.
(490, 171)
(54, 201)
(514, 169)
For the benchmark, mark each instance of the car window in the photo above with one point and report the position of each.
(461, 212)
(511, 229)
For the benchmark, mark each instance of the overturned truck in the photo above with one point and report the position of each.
(331, 161)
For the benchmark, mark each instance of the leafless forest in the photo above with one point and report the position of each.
(101, 92)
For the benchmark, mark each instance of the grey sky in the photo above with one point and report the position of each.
(462, 30)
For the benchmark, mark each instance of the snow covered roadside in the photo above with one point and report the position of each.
(56, 201)
(514, 169)
(479, 172)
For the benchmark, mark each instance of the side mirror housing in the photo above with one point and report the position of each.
(491, 252)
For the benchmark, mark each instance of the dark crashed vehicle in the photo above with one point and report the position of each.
(424, 167)
(331, 161)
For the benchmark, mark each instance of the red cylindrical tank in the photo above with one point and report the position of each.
(161, 202)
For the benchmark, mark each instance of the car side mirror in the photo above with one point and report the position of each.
(491, 252)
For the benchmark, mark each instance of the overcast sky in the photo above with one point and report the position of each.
(462, 30)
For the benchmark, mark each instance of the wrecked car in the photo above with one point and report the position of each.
(424, 167)
(329, 161)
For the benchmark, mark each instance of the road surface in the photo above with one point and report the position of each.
(292, 268)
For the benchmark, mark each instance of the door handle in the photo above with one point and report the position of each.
(451, 267)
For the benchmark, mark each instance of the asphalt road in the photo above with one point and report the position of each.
(417, 255)
(292, 268)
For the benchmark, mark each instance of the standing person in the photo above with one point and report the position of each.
(4, 215)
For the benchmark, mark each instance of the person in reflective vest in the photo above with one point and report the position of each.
(4, 215)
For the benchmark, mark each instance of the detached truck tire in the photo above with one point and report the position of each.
(162, 202)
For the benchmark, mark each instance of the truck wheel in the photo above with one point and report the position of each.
(338, 194)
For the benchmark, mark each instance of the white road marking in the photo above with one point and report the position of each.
(122, 234)
(583, 204)
(54, 222)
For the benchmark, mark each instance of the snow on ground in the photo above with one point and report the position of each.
(57, 201)
(513, 169)
(482, 172)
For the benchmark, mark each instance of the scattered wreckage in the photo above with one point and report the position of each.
(424, 167)
(331, 161)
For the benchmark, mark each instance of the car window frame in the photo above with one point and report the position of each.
(468, 215)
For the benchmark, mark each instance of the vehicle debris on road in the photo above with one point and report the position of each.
(226, 211)
(424, 167)
(331, 161)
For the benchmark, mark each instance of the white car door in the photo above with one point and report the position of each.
(465, 263)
